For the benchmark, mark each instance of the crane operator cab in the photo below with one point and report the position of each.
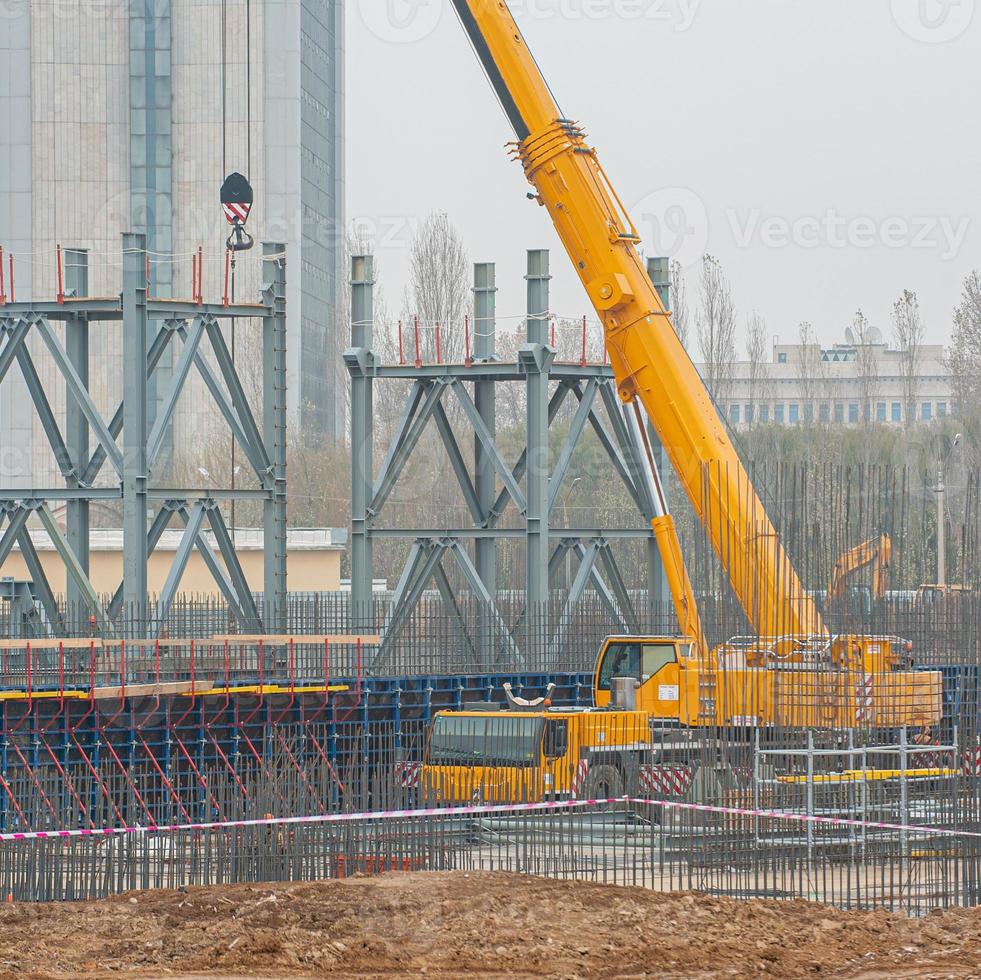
(659, 665)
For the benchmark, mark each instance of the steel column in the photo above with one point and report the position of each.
(76, 425)
(274, 435)
(134, 475)
(485, 400)
(535, 357)
(362, 442)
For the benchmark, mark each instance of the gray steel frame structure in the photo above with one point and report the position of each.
(533, 489)
(89, 441)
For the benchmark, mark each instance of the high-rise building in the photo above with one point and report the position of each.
(118, 116)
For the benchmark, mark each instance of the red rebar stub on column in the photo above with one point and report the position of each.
(61, 278)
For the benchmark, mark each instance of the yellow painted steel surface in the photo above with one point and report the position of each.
(869, 775)
(648, 360)
(537, 777)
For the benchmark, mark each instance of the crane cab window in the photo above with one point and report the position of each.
(628, 658)
(484, 740)
(556, 741)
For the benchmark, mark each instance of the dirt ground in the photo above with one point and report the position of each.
(456, 924)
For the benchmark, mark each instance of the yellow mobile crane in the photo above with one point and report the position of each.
(679, 678)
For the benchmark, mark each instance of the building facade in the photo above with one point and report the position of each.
(314, 556)
(127, 115)
(845, 384)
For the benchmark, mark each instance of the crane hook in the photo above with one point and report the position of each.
(239, 240)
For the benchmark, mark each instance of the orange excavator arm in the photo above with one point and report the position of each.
(649, 362)
(877, 552)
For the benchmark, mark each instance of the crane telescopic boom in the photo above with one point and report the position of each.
(648, 360)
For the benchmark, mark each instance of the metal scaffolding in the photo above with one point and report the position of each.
(489, 484)
(150, 327)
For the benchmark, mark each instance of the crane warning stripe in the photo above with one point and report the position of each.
(236, 212)
(670, 780)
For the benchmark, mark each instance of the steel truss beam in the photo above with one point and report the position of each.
(536, 495)
(131, 448)
(424, 565)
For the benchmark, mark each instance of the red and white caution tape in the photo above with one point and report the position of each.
(485, 809)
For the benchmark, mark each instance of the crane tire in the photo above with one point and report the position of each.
(604, 781)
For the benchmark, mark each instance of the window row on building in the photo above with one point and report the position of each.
(792, 413)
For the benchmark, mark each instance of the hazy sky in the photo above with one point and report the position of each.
(828, 152)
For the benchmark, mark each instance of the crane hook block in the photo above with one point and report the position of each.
(236, 201)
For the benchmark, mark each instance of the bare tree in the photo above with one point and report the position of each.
(810, 376)
(439, 290)
(964, 354)
(759, 368)
(867, 362)
(679, 303)
(908, 335)
(716, 330)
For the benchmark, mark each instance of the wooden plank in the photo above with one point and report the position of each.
(152, 690)
(153, 644)
(298, 639)
(172, 689)
(68, 643)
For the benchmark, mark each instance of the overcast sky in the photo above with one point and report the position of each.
(829, 153)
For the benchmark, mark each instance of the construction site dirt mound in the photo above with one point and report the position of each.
(477, 924)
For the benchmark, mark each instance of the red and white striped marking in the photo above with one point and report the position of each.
(971, 762)
(666, 780)
(455, 812)
(236, 212)
(579, 780)
(863, 699)
(407, 774)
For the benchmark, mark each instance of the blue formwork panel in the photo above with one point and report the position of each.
(166, 751)
(418, 698)
(960, 696)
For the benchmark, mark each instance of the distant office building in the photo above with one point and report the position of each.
(126, 116)
(844, 384)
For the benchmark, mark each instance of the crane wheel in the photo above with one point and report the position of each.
(603, 782)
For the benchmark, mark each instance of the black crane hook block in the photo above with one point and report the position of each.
(236, 201)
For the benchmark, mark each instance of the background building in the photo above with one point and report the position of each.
(846, 384)
(314, 556)
(127, 116)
